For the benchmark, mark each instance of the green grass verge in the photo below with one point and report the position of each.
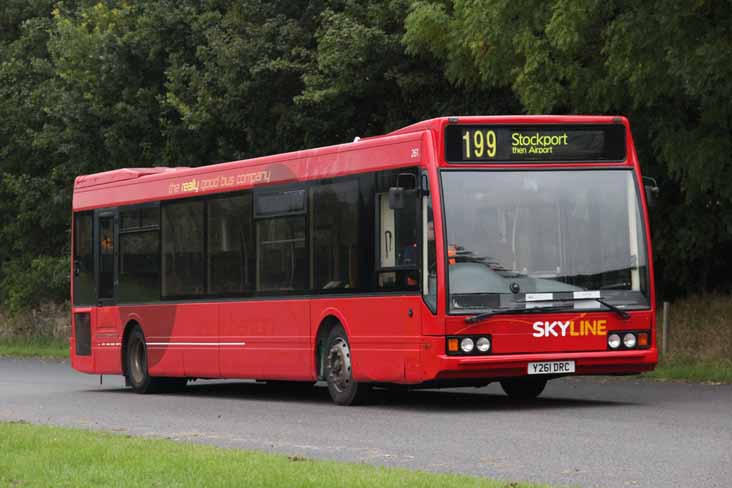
(704, 370)
(38, 348)
(43, 456)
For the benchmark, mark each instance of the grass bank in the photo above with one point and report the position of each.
(41, 332)
(684, 369)
(699, 340)
(38, 347)
(49, 456)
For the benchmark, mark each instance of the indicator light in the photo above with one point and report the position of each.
(451, 253)
(643, 339)
(452, 345)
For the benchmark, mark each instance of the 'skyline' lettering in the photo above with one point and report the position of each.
(569, 328)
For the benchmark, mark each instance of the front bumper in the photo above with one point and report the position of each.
(444, 367)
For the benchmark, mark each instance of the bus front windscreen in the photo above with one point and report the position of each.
(513, 236)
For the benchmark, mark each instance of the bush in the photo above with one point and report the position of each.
(45, 324)
(28, 282)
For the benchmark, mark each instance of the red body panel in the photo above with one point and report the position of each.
(394, 338)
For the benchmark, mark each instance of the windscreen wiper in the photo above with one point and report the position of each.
(601, 300)
(474, 319)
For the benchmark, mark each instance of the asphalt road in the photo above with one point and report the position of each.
(586, 432)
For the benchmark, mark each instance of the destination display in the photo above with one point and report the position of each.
(534, 143)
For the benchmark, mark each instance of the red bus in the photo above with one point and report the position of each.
(457, 251)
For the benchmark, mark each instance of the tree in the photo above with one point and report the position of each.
(664, 64)
(362, 83)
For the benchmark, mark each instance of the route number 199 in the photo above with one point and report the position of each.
(479, 144)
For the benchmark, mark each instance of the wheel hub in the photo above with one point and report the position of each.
(138, 368)
(339, 365)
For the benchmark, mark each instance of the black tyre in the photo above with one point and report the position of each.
(136, 368)
(338, 371)
(523, 388)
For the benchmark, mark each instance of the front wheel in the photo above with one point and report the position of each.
(338, 371)
(136, 368)
(523, 388)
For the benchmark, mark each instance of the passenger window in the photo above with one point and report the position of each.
(231, 258)
(182, 228)
(282, 257)
(336, 242)
(139, 269)
(281, 254)
(139, 254)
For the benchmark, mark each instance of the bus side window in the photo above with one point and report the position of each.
(336, 243)
(182, 248)
(281, 247)
(231, 260)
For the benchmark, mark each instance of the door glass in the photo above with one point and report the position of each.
(398, 232)
(106, 257)
(398, 250)
(386, 231)
(429, 255)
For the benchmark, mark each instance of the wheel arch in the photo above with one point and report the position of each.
(131, 324)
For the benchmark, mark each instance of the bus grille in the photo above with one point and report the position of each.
(82, 323)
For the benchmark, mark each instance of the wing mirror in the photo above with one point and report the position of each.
(652, 191)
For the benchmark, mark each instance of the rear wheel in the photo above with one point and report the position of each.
(523, 388)
(136, 368)
(338, 371)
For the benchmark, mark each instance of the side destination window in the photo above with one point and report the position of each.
(139, 254)
(183, 259)
(231, 248)
(282, 256)
(84, 285)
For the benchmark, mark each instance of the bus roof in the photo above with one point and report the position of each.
(402, 147)
(438, 123)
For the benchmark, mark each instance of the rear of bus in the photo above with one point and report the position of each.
(546, 252)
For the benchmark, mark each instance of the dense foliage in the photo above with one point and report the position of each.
(87, 86)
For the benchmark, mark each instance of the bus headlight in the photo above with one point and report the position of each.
(467, 345)
(483, 344)
(613, 340)
(629, 340)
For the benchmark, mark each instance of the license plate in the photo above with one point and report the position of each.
(551, 367)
